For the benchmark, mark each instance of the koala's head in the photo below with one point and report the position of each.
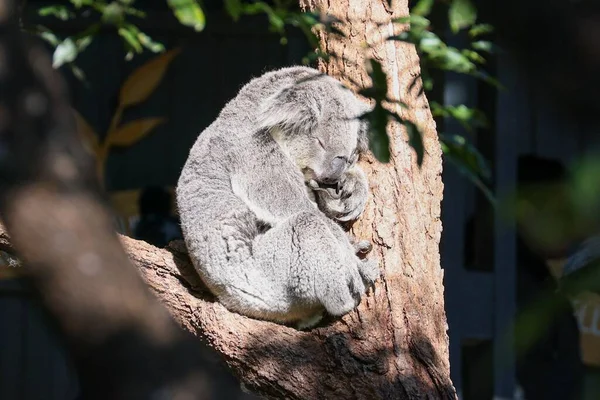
(315, 121)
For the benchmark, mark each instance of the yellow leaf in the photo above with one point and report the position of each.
(133, 131)
(144, 80)
(85, 131)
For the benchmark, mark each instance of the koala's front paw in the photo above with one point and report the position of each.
(340, 291)
(343, 201)
(368, 268)
(369, 271)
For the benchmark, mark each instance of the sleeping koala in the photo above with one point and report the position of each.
(254, 233)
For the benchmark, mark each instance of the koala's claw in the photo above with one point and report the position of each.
(363, 247)
(369, 271)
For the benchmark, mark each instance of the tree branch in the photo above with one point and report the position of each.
(270, 359)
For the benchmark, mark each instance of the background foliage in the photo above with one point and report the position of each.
(282, 15)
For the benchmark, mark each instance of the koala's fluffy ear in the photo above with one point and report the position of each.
(294, 109)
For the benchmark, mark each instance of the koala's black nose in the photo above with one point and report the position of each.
(334, 173)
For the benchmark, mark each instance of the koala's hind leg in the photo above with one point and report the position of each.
(368, 267)
(323, 271)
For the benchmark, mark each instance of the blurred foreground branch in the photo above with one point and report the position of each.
(124, 343)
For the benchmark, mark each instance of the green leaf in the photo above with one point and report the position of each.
(137, 39)
(308, 18)
(379, 142)
(484, 76)
(81, 3)
(468, 160)
(277, 23)
(77, 72)
(468, 117)
(480, 29)
(47, 35)
(379, 88)
(426, 79)
(584, 279)
(306, 26)
(83, 42)
(402, 37)
(134, 11)
(60, 12)
(583, 189)
(336, 31)
(189, 13)
(473, 56)
(415, 21)
(113, 14)
(234, 8)
(130, 35)
(422, 8)
(431, 44)
(461, 14)
(277, 17)
(313, 57)
(453, 60)
(415, 139)
(65, 52)
(483, 45)
(150, 44)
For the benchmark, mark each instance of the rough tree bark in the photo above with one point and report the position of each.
(393, 346)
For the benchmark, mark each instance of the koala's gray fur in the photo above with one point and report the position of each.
(344, 201)
(252, 227)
